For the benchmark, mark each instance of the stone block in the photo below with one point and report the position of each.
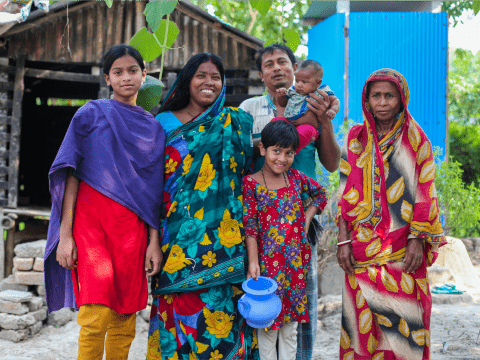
(331, 281)
(14, 335)
(60, 317)
(31, 249)
(16, 322)
(39, 315)
(440, 275)
(35, 328)
(10, 284)
(38, 265)
(41, 290)
(451, 299)
(16, 296)
(13, 308)
(35, 304)
(23, 264)
(29, 277)
(44, 298)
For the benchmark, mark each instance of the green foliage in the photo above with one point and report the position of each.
(465, 148)
(155, 10)
(265, 23)
(454, 9)
(464, 87)
(459, 204)
(150, 93)
(109, 3)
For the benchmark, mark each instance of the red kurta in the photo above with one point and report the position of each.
(111, 243)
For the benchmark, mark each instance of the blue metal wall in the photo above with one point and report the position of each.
(326, 44)
(413, 43)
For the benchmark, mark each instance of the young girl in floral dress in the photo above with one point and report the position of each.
(275, 229)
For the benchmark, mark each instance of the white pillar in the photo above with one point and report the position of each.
(343, 6)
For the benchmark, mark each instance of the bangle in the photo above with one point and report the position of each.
(344, 242)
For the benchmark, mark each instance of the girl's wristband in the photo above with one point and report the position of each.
(344, 242)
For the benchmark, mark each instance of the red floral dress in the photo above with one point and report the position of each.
(277, 220)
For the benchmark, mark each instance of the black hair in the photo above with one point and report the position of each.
(181, 97)
(313, 64)
(280, 133)
(270, 50)
(116, 52)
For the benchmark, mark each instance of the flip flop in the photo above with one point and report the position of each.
(446, 289)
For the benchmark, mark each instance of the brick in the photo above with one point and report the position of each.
(41, 290)
(14, 335)
(452, 299)
(13, 308)
(60, 317)
(44, 298)
(16, 296)
(29, 278)
(35, 328)
(23, 264)
(39, 315)
(35, 304)
(16, 322)
(10, 284)
(31, 249)
(38, 265)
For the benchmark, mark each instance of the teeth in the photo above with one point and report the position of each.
(208, 91)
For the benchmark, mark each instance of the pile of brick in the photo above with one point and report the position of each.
(21, 315)
(22, 296)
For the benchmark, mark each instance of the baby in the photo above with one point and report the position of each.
(308, 79)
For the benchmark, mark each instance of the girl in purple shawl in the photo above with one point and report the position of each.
(107, 185)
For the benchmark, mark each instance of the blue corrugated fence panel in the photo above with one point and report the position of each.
(326, 44)
(414, 44)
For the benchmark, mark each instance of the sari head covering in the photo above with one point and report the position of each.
(201, 222)
(387, 183)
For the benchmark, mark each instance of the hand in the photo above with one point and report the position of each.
(345, 258)
(282, 91)
(253, 271)
(319, 105)
(413, 255)
(67, 252)
(331, 114)
(153, 259)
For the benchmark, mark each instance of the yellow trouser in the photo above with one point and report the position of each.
(97, 320)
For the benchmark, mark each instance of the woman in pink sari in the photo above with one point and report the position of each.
(389, 228)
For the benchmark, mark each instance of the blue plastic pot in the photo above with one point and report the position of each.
(260, 305)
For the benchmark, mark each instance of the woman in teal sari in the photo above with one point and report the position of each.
(208, 150)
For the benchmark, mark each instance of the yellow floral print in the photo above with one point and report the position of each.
(215, 355)
(176, 260)
(187, 163)
(206, 174)
(170, 166)
(229, 231)
(154, 352)
(218, 323)
(209, 259)
(233, 164)
(172, 209)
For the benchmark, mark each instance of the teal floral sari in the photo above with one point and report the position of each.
(194, 311)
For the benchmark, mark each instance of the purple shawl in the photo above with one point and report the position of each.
(117, 149)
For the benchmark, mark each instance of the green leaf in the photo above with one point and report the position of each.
(269, 42)
(292, 39)
(109, 3)
(150, 93)
(476, 7)
(172, 32)
(146, 44)
(261, 5)
(155, 10)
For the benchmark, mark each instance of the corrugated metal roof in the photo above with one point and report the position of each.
(414, 44)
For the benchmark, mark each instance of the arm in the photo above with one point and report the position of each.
(250, 224)
(154, 256)
(67, 249)
(413, 255)
(326, 144)
(344, 252)
(335, 103)
(317, 193)
(281, 98)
